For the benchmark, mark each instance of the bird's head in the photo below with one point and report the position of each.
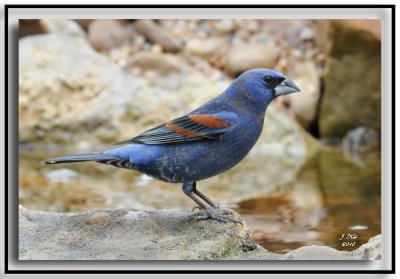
(260, 86)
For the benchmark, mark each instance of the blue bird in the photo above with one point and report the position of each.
(203, 143)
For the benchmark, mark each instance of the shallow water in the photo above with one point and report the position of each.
(331, 201)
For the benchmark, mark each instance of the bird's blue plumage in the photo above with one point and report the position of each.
(205, 142)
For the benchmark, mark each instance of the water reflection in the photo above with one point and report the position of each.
(332, 202)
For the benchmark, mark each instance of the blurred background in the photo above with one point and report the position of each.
(314, 173)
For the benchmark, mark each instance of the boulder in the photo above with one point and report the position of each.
(130, 234)
(352, 84)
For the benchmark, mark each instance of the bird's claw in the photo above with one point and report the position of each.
(196, 207)
(211, 213)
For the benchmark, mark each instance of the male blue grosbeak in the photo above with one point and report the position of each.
(205, 142)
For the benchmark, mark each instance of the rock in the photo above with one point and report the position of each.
(156, 34)
(225, 25)
(28, 27)
(361, 137)
(288, 32)
(368, 251)
(105, 34)
(352, 79)
(48, 74)
(205, 47)
(130, 234)
(84, 23)
(358, 140)
(306, 34)
(210, 49)
(163, 63)
(62, 25)
(243, 57)
(304, 105)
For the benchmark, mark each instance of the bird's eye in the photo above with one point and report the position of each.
(268, 80)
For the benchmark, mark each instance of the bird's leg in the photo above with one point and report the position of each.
(201, 195)
(189, 188)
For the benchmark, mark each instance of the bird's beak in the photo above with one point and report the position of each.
(286, 87)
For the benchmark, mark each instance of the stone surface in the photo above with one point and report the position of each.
(243, 57)
(156, 34)
(63, 26)
(130, 234)
(162, 63)
(105, 34)
(352, 94)
(60, 98)
(305, 104)
(210, 49)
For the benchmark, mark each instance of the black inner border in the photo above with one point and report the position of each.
(199, 271)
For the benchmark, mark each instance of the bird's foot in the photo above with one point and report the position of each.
(214, 214)
(199, 208)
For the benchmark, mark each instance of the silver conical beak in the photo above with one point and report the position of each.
(286, 87)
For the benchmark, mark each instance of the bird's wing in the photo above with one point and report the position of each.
(188, 128)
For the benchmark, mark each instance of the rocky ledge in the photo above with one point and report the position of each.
(131, 234)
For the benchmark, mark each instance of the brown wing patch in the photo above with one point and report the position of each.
(209, 121)
(182, 131)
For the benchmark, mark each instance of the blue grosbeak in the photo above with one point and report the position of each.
(205, 142)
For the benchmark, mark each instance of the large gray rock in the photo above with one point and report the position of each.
(130, 234)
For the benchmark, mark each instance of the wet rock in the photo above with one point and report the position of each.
(130, 234)
(353, 78)
(156, 34)
(243, 57)
(304, 105)
(105, 34)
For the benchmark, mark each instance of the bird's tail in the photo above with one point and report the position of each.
(81, 158)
